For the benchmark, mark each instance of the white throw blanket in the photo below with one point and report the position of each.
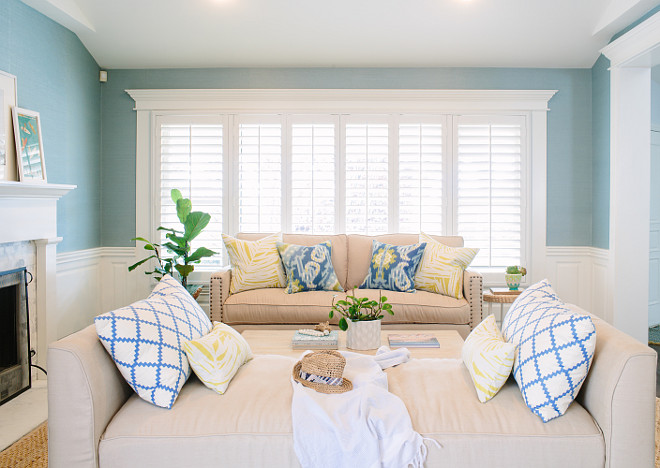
(365, 427)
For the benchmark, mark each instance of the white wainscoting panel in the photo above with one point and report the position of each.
(579, 275)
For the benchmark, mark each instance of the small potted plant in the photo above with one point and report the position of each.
(514, 276)
(362, 318)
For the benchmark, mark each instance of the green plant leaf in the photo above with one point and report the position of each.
(175, 248)
(180, 241)
(200, 253)
(141, 239)
(174, 231)
(149, 247)
(176, 195)
(183, 209)
(184, 270)
(342, 324)
(137, 264)
(195, 223)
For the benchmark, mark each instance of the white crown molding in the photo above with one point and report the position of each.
(9, 189)
(436, 100)
(637, 42)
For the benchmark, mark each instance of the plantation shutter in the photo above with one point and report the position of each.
(259, 177)
(366, 178)
(489, 191)
(191, 160)
(313, 178)
(421, 201)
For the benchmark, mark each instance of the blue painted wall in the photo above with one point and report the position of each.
(59, 78)
(569, 128)
(600, 78)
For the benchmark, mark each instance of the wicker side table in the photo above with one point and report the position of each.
(500, 299)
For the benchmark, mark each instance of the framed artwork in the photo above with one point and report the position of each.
(7, 102)
(29, 146)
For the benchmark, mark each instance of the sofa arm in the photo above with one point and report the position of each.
(473, 286)
(219, 291)
(85, 390)
(619, 393)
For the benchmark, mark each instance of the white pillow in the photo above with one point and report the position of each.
(488, 358)
(145, 339)
(554, 349)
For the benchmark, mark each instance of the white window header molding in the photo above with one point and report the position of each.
(357, 100)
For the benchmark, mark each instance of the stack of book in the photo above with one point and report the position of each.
(413, 340)
(301, 341)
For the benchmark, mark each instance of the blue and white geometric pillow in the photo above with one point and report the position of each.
(309, 268)
(393, 267)
(554, 349)
(145, 339)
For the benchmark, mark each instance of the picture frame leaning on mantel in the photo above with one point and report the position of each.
(29, 145)
(8, 99)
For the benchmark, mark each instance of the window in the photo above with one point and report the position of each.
(352, 161)
(489, 192)
(191, 160)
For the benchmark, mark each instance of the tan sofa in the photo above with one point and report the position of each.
(351, 255)
(95, 420)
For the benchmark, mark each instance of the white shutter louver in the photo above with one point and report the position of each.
(259, 177)
(191, 161)
(313, 178)
(420, 178)
(489, 190)
(366, 178)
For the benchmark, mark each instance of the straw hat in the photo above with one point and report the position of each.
(322, 371)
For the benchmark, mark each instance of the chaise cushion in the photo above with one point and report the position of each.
(250, 425)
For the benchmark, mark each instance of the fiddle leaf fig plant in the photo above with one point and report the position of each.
(176, 254)
(359, 309)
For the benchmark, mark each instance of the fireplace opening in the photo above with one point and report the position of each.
(14, 335)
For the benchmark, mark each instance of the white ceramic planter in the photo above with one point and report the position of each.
(363, 335)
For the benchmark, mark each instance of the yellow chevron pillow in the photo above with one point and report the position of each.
(441, 269)
(255, 264)
(488, 358)
(216, 357)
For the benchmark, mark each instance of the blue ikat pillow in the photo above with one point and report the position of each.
(145, 339)
(393, 267)
(308, 268)
(554, 349)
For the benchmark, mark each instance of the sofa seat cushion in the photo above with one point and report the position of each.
(421, 307)
(246, 426)
(273, 305)
(250, 425)
(500, 433)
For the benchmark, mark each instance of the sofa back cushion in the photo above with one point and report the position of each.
(339, 248)
(359, 252)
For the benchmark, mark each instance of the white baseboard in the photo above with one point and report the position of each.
(580, 275)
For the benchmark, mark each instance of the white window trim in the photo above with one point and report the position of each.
(533, 104)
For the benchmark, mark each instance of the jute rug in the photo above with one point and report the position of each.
(32, 450)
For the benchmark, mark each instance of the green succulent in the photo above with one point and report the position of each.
(515, 270)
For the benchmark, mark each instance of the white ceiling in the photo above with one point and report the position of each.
(343, 33)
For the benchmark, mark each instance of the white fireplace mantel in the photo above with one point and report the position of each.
(28, 212)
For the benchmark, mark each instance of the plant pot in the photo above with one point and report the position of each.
(513, 280)
(363, 335)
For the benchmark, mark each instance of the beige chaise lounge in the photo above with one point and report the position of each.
(351, 255)
(95, 420)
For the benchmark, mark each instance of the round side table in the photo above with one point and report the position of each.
(500, 299)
